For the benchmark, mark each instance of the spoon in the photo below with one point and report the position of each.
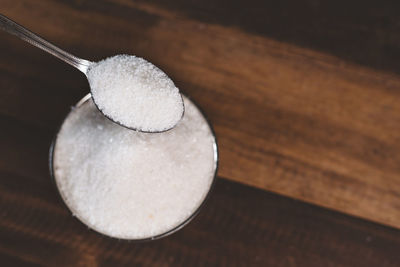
(85, 66)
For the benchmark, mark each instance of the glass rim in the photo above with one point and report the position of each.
(139, 240)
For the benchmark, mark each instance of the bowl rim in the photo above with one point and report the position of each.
(139, 240)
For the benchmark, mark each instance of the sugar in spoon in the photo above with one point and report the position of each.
(126, 89)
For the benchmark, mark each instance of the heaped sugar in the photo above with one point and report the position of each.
(135, 93)
(128, 184)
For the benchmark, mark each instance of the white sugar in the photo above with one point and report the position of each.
(135, 93)
(128, 184)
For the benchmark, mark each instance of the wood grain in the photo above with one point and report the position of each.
(304, 97)
(289, 119)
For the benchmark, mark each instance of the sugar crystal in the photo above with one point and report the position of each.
(128, 184)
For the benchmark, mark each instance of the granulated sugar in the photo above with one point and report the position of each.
(128, 184)
(135, 93)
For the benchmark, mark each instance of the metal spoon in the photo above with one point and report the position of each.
(81, 64)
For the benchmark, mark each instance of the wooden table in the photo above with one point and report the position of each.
(305, 100)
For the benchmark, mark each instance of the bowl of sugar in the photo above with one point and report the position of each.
(132, 185)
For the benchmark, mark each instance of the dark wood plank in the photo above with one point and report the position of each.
(239, 226)
(289, 119)
(361, 31)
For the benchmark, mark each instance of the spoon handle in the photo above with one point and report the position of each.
(14, 28)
